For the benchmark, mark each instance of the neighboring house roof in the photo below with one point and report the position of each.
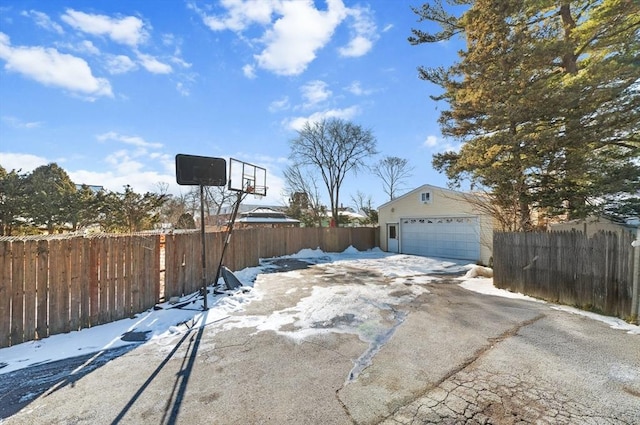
(352, 215)
(346, 213)
(265, 215)
(592, 224)
(228, 209)
(92, 187)
(418, 190)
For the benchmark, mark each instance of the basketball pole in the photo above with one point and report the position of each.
(227, 238)
(204, 257)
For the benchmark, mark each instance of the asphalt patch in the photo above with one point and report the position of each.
(135, 336)
(278, 265)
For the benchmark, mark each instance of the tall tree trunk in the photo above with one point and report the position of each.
(575, 154)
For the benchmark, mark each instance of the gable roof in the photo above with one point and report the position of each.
(418, 190)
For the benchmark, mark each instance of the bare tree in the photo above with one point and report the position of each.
(393, 171)
(363, 203)
(304, 197)
(505, 212)
(215, 197)
(332, 148)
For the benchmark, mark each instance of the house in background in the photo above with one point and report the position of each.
(265, 217)
(437, 222)
(592, 225)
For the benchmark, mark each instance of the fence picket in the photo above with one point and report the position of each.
(55, 264)
(30, 287)
(93, 281)
(17, 301)
(42, 290)
(85, 273)
(6, 293)
(75, 306)
(103, 298)
(112, 280)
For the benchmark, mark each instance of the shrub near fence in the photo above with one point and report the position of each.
(568, 267)
(59, 284)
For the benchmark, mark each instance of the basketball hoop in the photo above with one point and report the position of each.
(258, 191)
(247, 178)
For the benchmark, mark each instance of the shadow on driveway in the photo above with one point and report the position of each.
(21, 387)
(176, 397)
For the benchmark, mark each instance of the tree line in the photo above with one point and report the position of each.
(47, 199)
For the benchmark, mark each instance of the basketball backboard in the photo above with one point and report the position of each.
(247, 178)
(200, 170)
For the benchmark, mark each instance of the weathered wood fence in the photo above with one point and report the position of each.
(53, 285)
(569, 268)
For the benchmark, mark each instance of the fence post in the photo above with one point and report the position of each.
(636, 278)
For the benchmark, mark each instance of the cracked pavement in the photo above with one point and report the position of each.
(443, 355)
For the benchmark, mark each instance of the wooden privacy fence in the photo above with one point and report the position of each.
(183, 264)
(568, 267)
(56, 285)
(59, 284)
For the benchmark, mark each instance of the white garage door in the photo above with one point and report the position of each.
(448, 237)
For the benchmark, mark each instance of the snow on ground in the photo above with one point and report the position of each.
(485, 286)
(365, 308)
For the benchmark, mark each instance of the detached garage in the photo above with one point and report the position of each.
(436, 222)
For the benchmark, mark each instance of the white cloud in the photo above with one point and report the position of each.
(171, 40)
(356, 89)
(440, 145)
(279, 105)
(21, 161)
(179, 61)
(44, 21)
(18, 123)
(249, 71)
(50, 67)
(240, 14)
(298, 122)
(128, 30)
(130, 140)
(430, 141)
(85, 47)
(364, 33)
(88, 47)
(292, 41)
(124, 169)
(314, 92)
(184, 91)
(358, 46)
(153, 65)
(140, 180)
(120, 64)
(294, 30)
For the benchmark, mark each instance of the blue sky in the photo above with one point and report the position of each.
(113, 90)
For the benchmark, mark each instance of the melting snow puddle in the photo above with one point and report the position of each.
(366, 310)
(365, 360)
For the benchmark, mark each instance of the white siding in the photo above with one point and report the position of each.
(448, 237)
(443, 203)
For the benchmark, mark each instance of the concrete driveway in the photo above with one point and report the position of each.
(402, 350)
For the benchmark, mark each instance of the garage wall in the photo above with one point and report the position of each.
(442, 203)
